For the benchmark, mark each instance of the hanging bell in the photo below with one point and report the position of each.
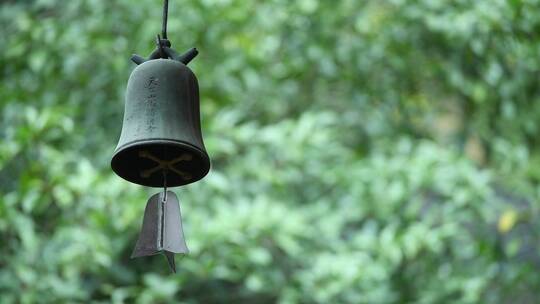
(161, 143)
(161, 128)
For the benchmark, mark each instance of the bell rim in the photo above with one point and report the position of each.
(202, 153)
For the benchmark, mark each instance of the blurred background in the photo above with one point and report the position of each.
(362, 152)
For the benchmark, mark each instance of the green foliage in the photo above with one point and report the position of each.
(362, 152)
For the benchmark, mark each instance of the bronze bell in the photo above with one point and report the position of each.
(161, 131)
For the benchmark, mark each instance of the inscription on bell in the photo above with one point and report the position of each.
(151, 99)
(151, 86)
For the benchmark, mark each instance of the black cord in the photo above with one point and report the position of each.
(165, 13)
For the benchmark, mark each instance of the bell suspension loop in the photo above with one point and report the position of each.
(163, 45)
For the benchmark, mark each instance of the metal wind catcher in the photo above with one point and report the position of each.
(161, 144)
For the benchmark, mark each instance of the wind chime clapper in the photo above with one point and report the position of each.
(161, 143)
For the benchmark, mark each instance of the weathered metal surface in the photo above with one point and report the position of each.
(161, 127)
(162, 229)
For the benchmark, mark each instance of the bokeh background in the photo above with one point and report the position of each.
(381, 151)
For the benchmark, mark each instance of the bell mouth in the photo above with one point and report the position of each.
(148, 162)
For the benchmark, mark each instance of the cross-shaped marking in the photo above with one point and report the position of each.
(165, 164)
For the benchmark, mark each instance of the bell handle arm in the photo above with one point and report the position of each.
(188, 56)
(137, 59)
(156, 54)
(184, 58)
(171, 53)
